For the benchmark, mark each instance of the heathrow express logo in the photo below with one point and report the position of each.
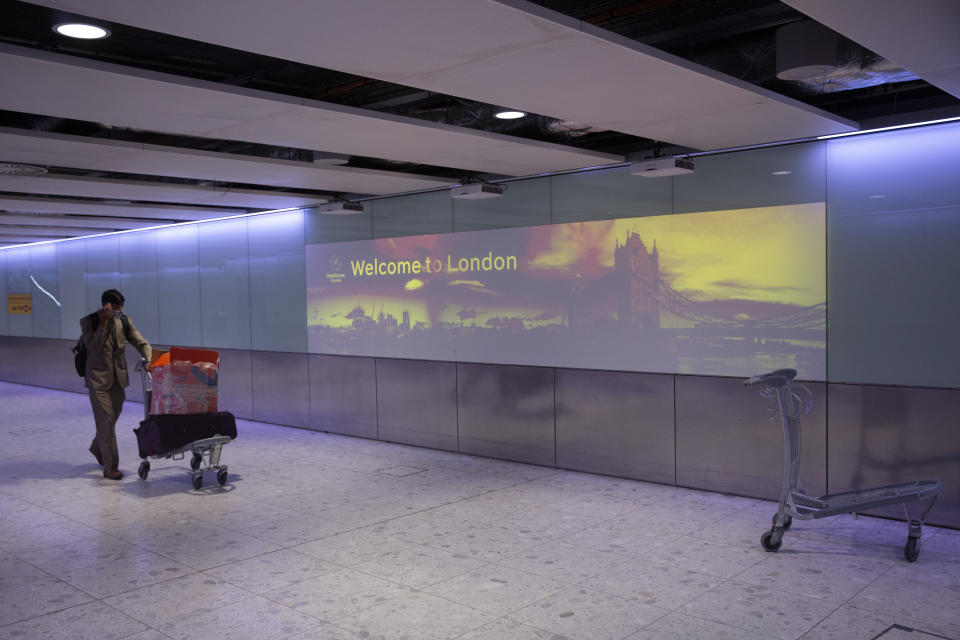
(335, 272)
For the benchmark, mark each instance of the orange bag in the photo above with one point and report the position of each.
(185, 381)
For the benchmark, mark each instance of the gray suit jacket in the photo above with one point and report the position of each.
(106, 359)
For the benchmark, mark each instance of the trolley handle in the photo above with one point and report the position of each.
(775, 379)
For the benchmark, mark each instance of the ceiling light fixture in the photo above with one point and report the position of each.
(81, 30)
(781, 173)
(509, 115)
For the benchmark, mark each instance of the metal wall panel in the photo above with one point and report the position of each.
(618, 424)
(884, 435)
(507, 412)
(4, 316)
(417, 403)
(412, 215)
(102, 268)
(224, 284)
(278, 283)
(604, 194)
(321, 228)
(771, 176)
(140, 282)
(178, 286)
(280, 388)
(525, 203)
(343, 395)
(71, 261)
(726, 443)
(235, 393)
(42, 362)
(18, 282)
(46, 291)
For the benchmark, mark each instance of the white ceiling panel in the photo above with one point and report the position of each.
(66, 221)
(78, 152)
(507, 52)
(85, 187)
(922, 36)
(15, 204)
(45, 83)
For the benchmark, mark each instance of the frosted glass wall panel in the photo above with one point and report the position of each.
(178, 286)
(335, 228)
(900, 171)
(45, 287)
(525, 203)
(4, 315)
(18, 281)
(791, 174)
(225, 284)
(278, 301)
(139, 282)
(71, 263)
(894, 229)
(413, 215)
(608, 193)
(103, 268)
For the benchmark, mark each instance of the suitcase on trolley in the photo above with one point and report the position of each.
(161, 433)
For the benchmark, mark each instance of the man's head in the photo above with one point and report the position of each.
(112, 297)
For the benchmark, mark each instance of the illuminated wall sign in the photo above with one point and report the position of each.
(19, 303)
(715, 293)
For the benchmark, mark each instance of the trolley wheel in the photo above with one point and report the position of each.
(144, 469)
(197, 481)
(770, 541)
(787, 520)
(911, 550)
(195, 461)
(222, 477)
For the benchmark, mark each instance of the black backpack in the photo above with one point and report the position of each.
(80, 349)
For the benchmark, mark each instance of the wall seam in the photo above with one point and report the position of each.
(456, 399)
(376, 393)
(675, 430)
(556, 460)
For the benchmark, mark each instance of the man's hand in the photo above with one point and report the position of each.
(105, 314)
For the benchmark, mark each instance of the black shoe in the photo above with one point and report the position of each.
(113, 475)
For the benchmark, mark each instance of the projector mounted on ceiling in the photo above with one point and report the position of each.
(340, 208)
(477, 190)
(661, 167)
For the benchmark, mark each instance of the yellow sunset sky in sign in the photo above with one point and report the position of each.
(770, 254)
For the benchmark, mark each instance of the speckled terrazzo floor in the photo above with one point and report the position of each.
(317, 536)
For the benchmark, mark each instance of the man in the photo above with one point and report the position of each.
(105, 335)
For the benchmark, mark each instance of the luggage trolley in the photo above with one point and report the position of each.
(792, 401)
(207, 449)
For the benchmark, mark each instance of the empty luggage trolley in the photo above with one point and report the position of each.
(792, 401)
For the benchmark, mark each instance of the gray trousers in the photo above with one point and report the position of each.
(107, 406)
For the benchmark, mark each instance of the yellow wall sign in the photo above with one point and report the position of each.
(20, 303)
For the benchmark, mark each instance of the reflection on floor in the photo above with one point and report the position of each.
(317, 536)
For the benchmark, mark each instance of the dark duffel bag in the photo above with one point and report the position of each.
(165, 432)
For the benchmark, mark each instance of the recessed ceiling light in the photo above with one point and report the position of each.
(781, 173)
(877, 196)
(510, 115)
(81, 30)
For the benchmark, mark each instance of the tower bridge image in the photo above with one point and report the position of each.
(636, 296)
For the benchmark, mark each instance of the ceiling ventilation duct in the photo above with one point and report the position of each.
(16, 169)
(805, 50)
